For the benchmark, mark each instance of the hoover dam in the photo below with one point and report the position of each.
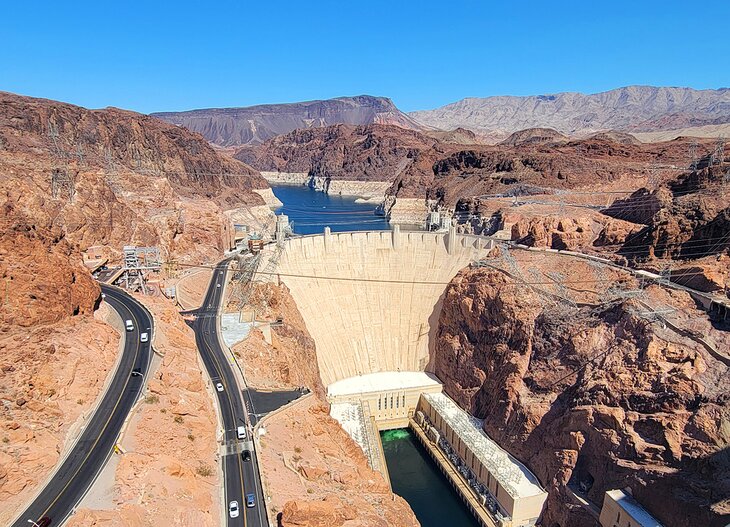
(371, 299)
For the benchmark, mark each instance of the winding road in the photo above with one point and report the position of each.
(57, 500)
(241, 477)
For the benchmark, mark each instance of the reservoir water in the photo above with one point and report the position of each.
(415, 477)
(310, 211)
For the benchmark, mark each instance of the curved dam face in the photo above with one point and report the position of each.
(359, 300)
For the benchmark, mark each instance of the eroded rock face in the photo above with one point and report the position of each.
(120, 178)
(592, 394)
(688, 218)
(290, 360)
(43, 276)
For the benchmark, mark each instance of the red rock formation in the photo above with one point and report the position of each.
(595, 394)
(427, 165)
(689, 218)
(290, 360)
(130, 178)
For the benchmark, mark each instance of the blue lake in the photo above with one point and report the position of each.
(310, 211)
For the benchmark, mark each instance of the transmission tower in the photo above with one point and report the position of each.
(693, 155)
(63, 183)
(718, 156)
(655, 178)
(55, 141)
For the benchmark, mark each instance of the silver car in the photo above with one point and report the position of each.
(233, 509)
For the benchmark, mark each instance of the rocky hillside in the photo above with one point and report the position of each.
(633, 108)
(420, 166)
(592, 392)
(689, 217)
(256, 124)
(354, 153)
(112, 177)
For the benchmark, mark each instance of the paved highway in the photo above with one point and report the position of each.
(241, 477)
(84, 462)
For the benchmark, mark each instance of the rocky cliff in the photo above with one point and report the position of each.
(111, 177)
(632, 108)
(290, 360)
(320, 476)
(590, 392)
(256, 124)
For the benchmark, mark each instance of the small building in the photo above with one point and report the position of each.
(507, 489)
(622, 510)
(255, 243)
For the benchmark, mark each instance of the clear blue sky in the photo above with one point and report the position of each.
(159, 55)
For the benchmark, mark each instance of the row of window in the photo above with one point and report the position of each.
(383, 402)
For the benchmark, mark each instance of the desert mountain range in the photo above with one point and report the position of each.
(653, 113)
(256, 124)
(632, 108)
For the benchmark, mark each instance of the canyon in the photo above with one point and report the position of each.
(593, 379)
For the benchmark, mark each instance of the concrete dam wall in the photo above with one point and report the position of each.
(359, 301)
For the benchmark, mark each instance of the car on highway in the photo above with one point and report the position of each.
(233, 509)
(246, 455)
(219, 386)
(241, 432)
(128, 325)
(144, 337)
(218, 284)
(250, 500)
(137, 372)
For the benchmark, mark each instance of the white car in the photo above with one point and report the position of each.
(219, 386)
(144, 337)
(218, 284)
(233, 509)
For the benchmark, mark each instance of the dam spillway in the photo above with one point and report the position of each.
(371, 299)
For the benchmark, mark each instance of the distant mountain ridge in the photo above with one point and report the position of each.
(255, 124)
(632, 109)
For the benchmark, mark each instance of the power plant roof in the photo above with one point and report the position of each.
(512, 475)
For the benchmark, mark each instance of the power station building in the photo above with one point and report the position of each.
(509, 491)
